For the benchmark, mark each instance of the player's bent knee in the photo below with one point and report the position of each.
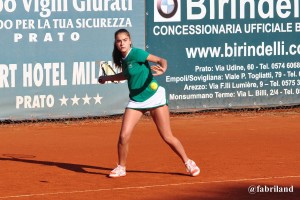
(124, 139)
(169, 139)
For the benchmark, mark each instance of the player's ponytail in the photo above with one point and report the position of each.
(116, 54)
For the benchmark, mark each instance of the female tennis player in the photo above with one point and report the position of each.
(145, 95)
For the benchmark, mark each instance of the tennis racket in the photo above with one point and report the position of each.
(107, 70)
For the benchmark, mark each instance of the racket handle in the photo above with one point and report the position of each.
(100, 80)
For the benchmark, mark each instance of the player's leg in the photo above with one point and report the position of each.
(161, 118)
(130, 119)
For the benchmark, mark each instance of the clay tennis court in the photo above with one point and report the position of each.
(235, 150)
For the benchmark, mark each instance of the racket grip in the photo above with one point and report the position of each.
(100, 80)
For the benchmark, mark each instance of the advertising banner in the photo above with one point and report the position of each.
(51, 53)
(227, 53)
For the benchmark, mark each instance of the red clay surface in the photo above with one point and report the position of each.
(71, 160)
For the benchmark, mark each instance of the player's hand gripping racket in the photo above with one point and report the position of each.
(107, 70)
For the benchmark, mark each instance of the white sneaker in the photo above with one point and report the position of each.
(192, 168)
(119, 171)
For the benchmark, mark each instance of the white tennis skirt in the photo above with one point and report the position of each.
(157, 100)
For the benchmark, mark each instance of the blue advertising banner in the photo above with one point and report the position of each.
(227, 54)
(51, 53)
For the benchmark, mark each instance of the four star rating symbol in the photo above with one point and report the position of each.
(86, 100)
(75, 100)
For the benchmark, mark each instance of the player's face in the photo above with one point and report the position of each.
(123, 43)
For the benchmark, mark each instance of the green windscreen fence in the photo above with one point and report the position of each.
(51, 52)
(221, 54)
(227, 54)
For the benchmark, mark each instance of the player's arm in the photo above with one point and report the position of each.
(161, 66)
(115, 77)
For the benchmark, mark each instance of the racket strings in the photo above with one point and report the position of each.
(107, 70)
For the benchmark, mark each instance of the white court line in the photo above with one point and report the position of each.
(148, 186)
